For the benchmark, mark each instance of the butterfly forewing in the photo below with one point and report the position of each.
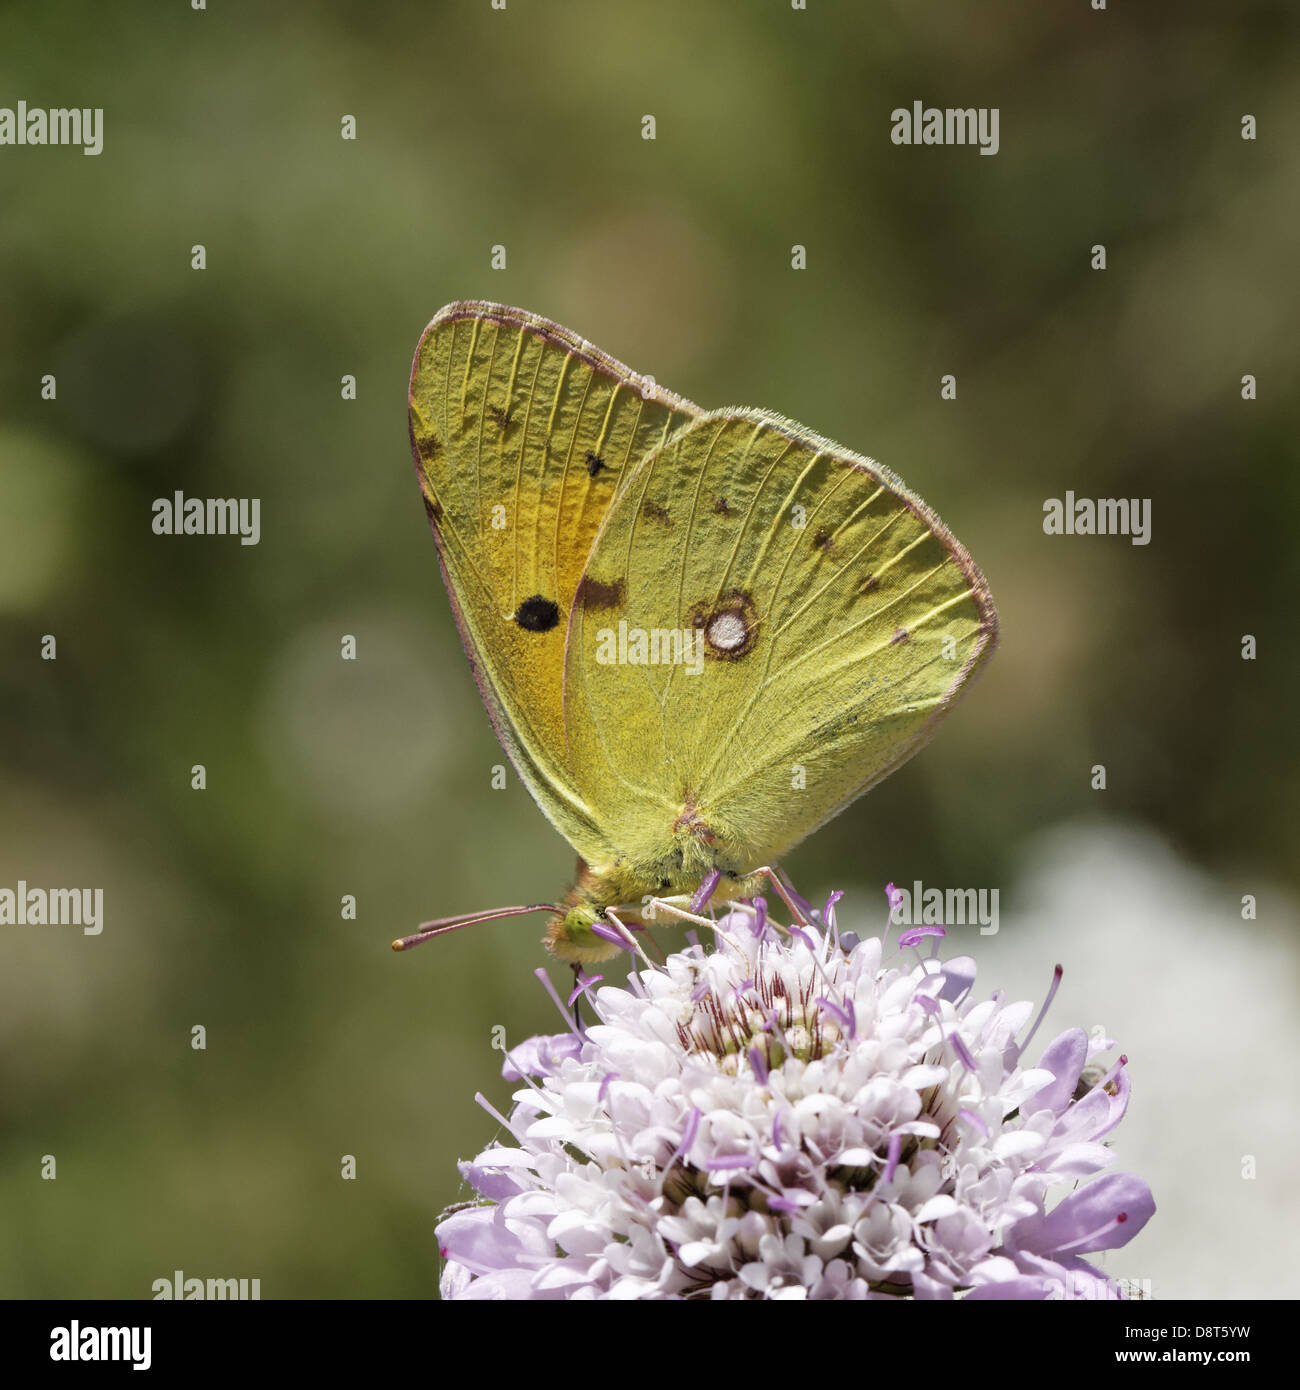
(522, 433)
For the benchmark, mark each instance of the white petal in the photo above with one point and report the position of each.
(942, 1205)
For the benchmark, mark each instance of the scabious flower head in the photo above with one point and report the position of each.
(798, 1114)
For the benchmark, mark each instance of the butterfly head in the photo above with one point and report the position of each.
(571, 935)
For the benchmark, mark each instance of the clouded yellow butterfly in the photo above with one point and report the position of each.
(699, 634)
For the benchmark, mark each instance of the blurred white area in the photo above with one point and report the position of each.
(1204, 1006)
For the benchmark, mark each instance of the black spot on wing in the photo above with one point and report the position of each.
(594, 463)
(654, 512)
(537, 614)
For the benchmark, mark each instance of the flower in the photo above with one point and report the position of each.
(798, 1114)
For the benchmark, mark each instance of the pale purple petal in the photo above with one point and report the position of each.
(1064, 1057)
(1103, 1215)
(540, 1055)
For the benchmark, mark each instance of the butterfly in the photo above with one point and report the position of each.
(699, 634)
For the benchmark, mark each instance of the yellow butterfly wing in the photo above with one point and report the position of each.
(521, 433)
(835, 620)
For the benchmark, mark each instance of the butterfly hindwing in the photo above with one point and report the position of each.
(522, 433)
(834, 620)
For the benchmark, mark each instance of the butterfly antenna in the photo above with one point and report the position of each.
(428, 930)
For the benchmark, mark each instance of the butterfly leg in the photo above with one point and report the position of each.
(577, 993)
(792, 900)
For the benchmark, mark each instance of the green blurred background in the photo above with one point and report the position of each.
(324, 257)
